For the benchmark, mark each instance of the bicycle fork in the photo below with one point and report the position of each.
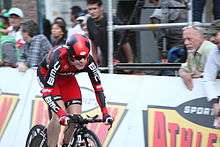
(71, 142)
(43, 134)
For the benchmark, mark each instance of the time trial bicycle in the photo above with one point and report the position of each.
(80, 137)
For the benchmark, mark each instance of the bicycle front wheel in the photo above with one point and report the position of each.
(89, 139)
(36, 137)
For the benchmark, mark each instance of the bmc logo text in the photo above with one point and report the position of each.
(53, 73)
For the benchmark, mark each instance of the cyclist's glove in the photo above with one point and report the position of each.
(107, 119)
(74, 118)
(64, 120)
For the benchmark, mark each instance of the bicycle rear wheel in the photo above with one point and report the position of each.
(89, 139)
(37, 137)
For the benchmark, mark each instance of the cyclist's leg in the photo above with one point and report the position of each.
(72, 109)
(54, 93)
(61, 136)
(53, 128)
(72, 98)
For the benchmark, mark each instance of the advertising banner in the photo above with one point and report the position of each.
(8, 103)
(148, 111)
(187, 125)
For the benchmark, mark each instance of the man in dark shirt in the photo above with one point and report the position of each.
(97, 28)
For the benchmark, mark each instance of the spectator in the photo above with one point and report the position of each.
(75, 29)
(215, 37)
(97, 28)
(16, 16)
(172, 49)
(60, 19)
(58, 33)
(198, 8)
(47, 28)
(82, 20)
(198, 49)
(4, 23)
(7, 43)
(35, 47)
(211, 69)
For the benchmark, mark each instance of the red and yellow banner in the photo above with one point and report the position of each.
(7, 106)
(40, 112)
(117, 111)
(166, 128)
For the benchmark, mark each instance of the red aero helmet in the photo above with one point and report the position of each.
(79, 46)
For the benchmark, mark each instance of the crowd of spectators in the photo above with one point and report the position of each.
(11, 39)
(92, 23)
(21, 44)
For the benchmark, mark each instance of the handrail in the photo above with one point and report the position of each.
(155, 7)
(146, 66)
(157, 26)
(112, 27)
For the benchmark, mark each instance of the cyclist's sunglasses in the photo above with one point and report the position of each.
(80, 57)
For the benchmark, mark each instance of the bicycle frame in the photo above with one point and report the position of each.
(77, 134)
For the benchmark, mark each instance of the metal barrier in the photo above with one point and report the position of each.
(147, 66)
(170, 69)
(143, 68)
(112, 27)
(157, 26)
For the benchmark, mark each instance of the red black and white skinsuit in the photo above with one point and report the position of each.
(57, 77)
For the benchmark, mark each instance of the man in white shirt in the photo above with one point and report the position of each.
(211, 69)
(76, 11)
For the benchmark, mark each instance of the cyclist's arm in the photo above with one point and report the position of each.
(52, 68)
(96, 83)
(49, 83)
